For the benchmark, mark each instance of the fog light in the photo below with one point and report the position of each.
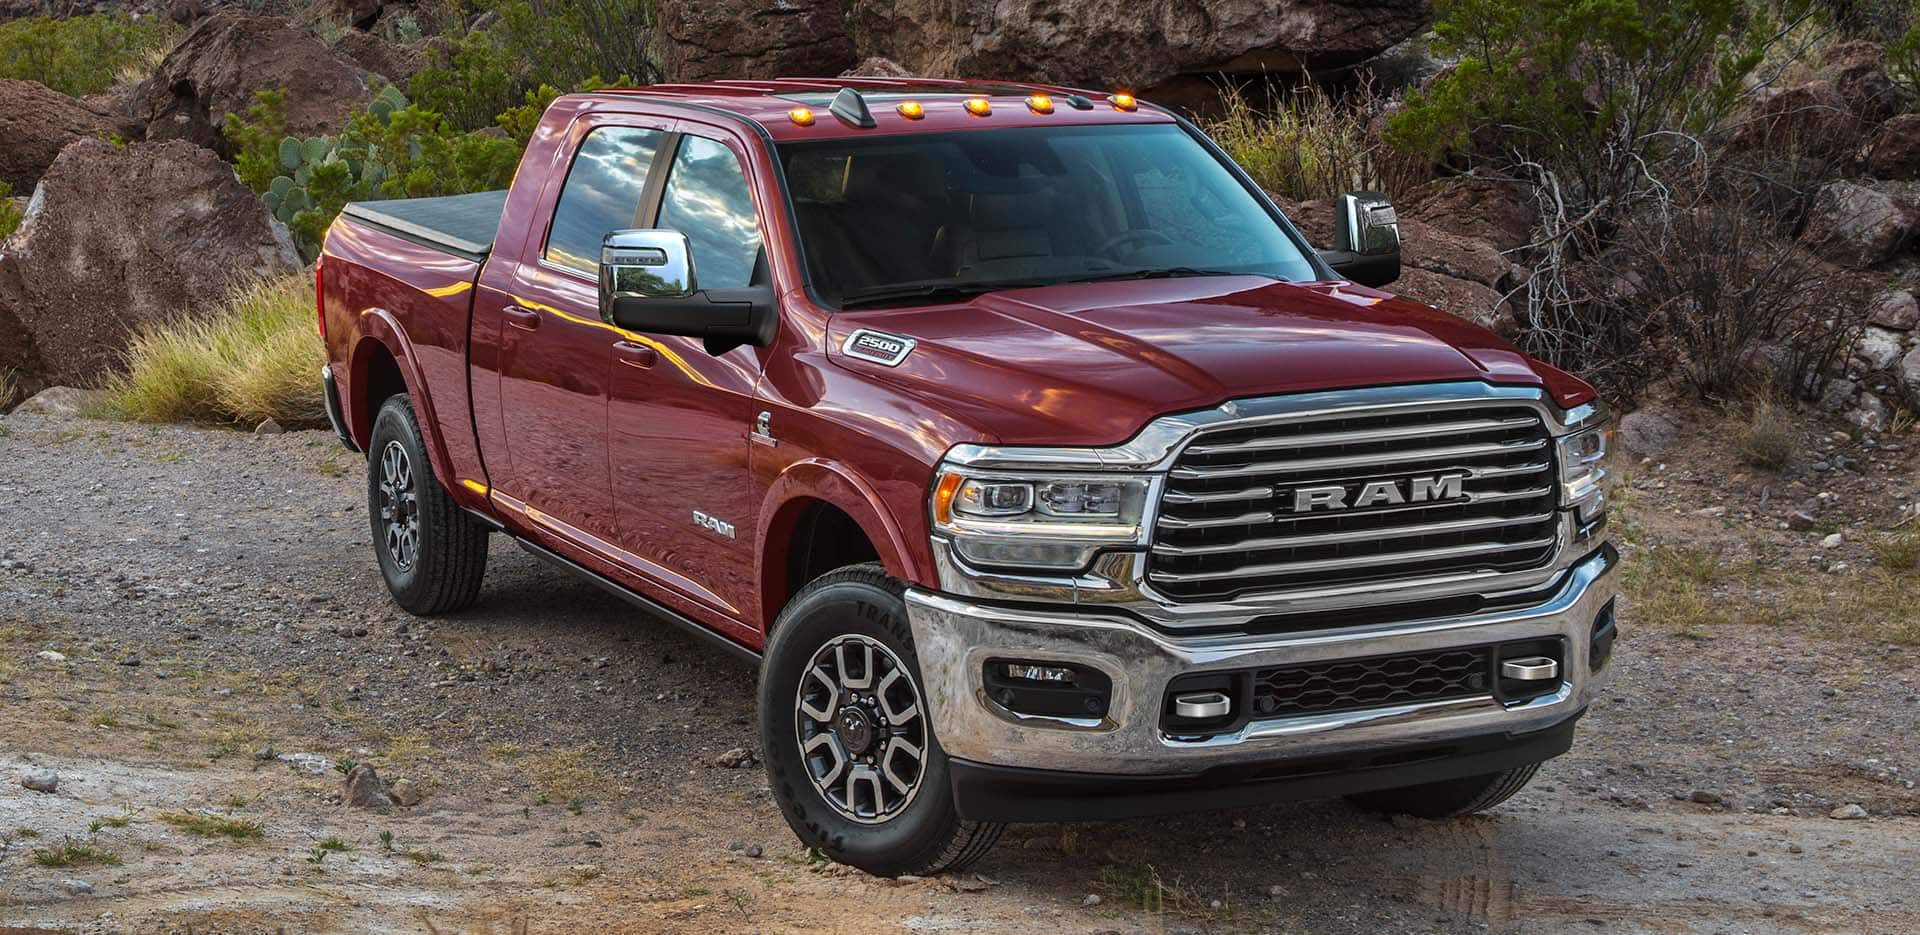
(1033, 673)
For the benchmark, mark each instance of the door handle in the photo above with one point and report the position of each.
(525, 319)
(634, 354)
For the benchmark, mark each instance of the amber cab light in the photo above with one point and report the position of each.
(1040, 104)
(911, 110)
(978, 106)
(801, 116)
(1123, 101)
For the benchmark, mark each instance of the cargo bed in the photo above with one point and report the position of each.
(463, 225)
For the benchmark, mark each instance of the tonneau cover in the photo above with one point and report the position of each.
(460, 224)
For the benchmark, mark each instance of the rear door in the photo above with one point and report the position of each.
(555, 353)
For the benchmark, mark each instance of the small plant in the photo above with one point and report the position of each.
(117, 821)
(334, 844)
(25, 833)
(386, 840)
(1766, 435)
(72, 853)
(1896, 551)
(10, 216)
(423, 858)
(345, 765)
(210, 826)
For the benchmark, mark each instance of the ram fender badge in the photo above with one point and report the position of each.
(878, 346)
(713, 523)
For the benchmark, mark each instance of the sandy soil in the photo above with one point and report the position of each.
(212, 595)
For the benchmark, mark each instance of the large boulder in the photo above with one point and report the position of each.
(1500, 213)
(1149, 47)
(1858, 70)
(1858, 226)
(1909, 374)
(392, 61)
(716, 39)
(36, 122)
(224, 59)
(123, 236)
(1895, 154)
(1813, 120)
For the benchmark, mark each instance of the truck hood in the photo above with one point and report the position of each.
(1091, 364)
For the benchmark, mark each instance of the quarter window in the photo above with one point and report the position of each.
(601, 195)
(707, 200)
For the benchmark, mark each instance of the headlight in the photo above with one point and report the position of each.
(1038, 521)
(1580, 455)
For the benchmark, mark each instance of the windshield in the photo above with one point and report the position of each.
(894, 219)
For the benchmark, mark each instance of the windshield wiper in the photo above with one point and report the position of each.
(936, 292)
(1170, 272)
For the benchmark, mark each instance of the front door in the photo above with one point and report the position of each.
(679, 417)
(556, 355)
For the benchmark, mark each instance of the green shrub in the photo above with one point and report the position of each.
(477, 76)
(253, 358)
(82, 55)
(10, 216)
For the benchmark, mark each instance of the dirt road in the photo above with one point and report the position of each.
(216, 615)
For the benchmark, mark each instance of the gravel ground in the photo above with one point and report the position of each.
(224, 640)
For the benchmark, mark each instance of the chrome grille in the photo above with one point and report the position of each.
(1228, 525)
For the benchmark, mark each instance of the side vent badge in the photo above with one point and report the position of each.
(877, 346)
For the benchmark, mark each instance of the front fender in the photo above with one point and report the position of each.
(816, 480)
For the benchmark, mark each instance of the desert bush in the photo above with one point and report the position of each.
(10, 216)
(1896, 551)
(389, 149)
(481, 74)
(1765, 434)
(1313, 144)
(82, 55)
(250, 359)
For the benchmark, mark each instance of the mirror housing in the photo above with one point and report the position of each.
(648, 284)
(1366, 239)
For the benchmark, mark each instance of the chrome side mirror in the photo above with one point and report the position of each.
(1366, 239)
(650, 264)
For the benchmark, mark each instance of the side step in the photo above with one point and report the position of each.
(637, 599)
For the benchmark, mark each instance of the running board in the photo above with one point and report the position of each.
(639, 600)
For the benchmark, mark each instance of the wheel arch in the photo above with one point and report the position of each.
(812, 508)
(380, 366)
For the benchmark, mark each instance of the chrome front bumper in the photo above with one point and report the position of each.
(955, 638)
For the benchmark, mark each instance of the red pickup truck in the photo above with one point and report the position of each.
(1044, 468)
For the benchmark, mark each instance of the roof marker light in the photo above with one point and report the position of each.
(1040, 104)
(801, 116)
(911, 110)
(1123, 101)
(978, 106)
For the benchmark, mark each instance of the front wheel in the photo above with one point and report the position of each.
(851, 755)
(1451, 798)
(432, 554)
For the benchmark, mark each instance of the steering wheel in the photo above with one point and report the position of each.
(1147, 237)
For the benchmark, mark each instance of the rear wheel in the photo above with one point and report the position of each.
(851, 755)
(1449, 799)
(432, 553)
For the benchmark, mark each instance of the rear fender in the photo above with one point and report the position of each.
(379, 331)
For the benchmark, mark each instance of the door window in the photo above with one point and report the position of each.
(707, 200)
(601, 194)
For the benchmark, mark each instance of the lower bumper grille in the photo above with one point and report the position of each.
(1357, 684)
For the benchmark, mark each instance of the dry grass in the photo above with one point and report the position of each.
(210, 826)
(72, 853)
(141, 65)
(253, 358)
(1312, 145)
(570, 776)
(1766, 435)
(1896, 551)
(1692, 592)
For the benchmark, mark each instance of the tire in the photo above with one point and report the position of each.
(431, 552)
(850, 626)
(1449, 799)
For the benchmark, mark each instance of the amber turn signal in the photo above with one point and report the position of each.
(1040, 104)
(911, 110)
(943, 497)
(978, 106)
(1123, 101)
(801, 116)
